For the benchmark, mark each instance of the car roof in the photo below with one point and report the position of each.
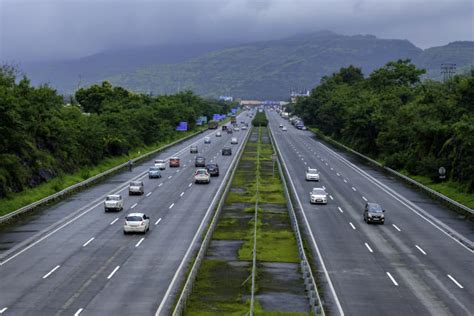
(114, 195)
(174, 158)
(318, 189)
(136, 214)
(136, 182)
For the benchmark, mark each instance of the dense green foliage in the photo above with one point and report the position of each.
(394, 117)
(42, 137)
(260, 119)
(270, 69)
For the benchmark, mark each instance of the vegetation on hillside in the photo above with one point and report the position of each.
(393, 116)
(43, 138)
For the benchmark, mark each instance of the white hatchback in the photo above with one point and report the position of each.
(312, 174)
(136, 223)
(234, 141)
(318, 195)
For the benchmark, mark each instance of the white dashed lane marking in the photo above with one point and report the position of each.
(113, 222)
(88, 242)
(421, 250)
(51, 272)
(455, 281)
(392, 278)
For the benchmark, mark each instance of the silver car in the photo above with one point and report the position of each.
(136, 187)
(318, 195)
(113, 202)
(161, 164)
(234, 141)
(136, 223)
(202, 176)
(312, 174)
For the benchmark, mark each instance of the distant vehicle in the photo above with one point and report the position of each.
(174, 162)
(229, 131)
(226, 151)
(284, 129)
(244, 127)
(136, 223)
(236, 128)
(193, 149)
(234, 141)
(161, 164)
(312, 174)
(224, 127)
(113, 202)
(233, 119)
(202, 176)
(318, 195)
(212, 125)
(281, 125)
(154, 172)
(213, 169)
(218, 134)
(207, 140)
(136, 187)
(373, 213)
(200, 161)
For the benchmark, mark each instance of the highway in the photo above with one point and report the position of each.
(412, 265)
(73, 258)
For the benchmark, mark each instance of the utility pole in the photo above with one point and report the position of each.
(448, 70)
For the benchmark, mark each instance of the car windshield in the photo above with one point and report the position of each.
(211, 166)
(135, 183)
(318, 191)
(375, 208)
(154, 169)
(159, 161)
(133, 219)
(201, 171)
(112, 198)
(312, 170)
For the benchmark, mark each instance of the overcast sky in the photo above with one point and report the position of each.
(64, 29)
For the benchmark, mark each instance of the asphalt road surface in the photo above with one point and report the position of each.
(73, 258)
(412, 265)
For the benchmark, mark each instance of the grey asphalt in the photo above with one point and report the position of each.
(413, 247)
(86, 265)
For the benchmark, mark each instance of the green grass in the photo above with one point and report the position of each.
(17, 200)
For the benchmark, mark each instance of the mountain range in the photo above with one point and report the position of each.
(263, 70)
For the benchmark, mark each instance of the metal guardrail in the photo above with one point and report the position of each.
(428, 190)
(309, 280)
(188, 286)
(87, 182)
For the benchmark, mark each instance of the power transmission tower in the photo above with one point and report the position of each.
(448, 70)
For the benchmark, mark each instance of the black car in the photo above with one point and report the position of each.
(213, 169)
(193, 149)
(373, 213)
(226, 151)
(229, 131)
(224, 127)
(200, 161)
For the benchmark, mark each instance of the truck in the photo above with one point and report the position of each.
(212, 125)
(233, 119)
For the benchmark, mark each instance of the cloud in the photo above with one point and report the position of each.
(63, 29)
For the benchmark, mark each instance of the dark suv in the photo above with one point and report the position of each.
(373, 213)
(226, 151)
(213, 169)
(193, 149)
(200, 161)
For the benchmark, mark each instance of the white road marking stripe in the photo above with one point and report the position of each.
(139, 242)
(184, 165)
(182, 193)
(134, 205)
(113, 222)
(189, 185)
(88, 242)
(364, 198)
(148, 194)
(160, 184)
(51, 272)
(169, 177)
(171, 206)
(305, 162)
(345, 180)
(340, 209)
(79, 311)
(421, 250)
(391, 278)
(177, 170)
(338, 174)
(158, 221)
(113, 272)
(332, 168)
(354, 189)
(396, 227)
(368, 247)
(455, 282)
(3, 310)
(330, 196)
(352, 225)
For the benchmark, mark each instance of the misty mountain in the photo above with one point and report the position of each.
(270, 69)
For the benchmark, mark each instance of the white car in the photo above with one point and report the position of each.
(161, 164)
(236, 129)
(202, 176)
(207, 140)
(234, 141)
(284, 128)
(318, 195)
(113, 202)
(136, 223)
(312, 174)
(244, 127)
(218, 134)
(136, 187)
(281, 125)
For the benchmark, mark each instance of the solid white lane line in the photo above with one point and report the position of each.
(51, 272)
(113, 222)
(395, 226)
(455, 282)
(169, 177)
(148, 194)
(189, 185)
(345, 180)
(340, 209)
(352, 225)
(330, 196)
(79, 311)
(160, 184)
(363, 198)
(421, 250)
(368, 247)
(139, 242)
(158, 221)
(3, 310)
(182, 193)
(171, 206)
(113, 272)
(134, 205)
(354, 189)
(88, 242)
(391, 278)
(338, 174)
